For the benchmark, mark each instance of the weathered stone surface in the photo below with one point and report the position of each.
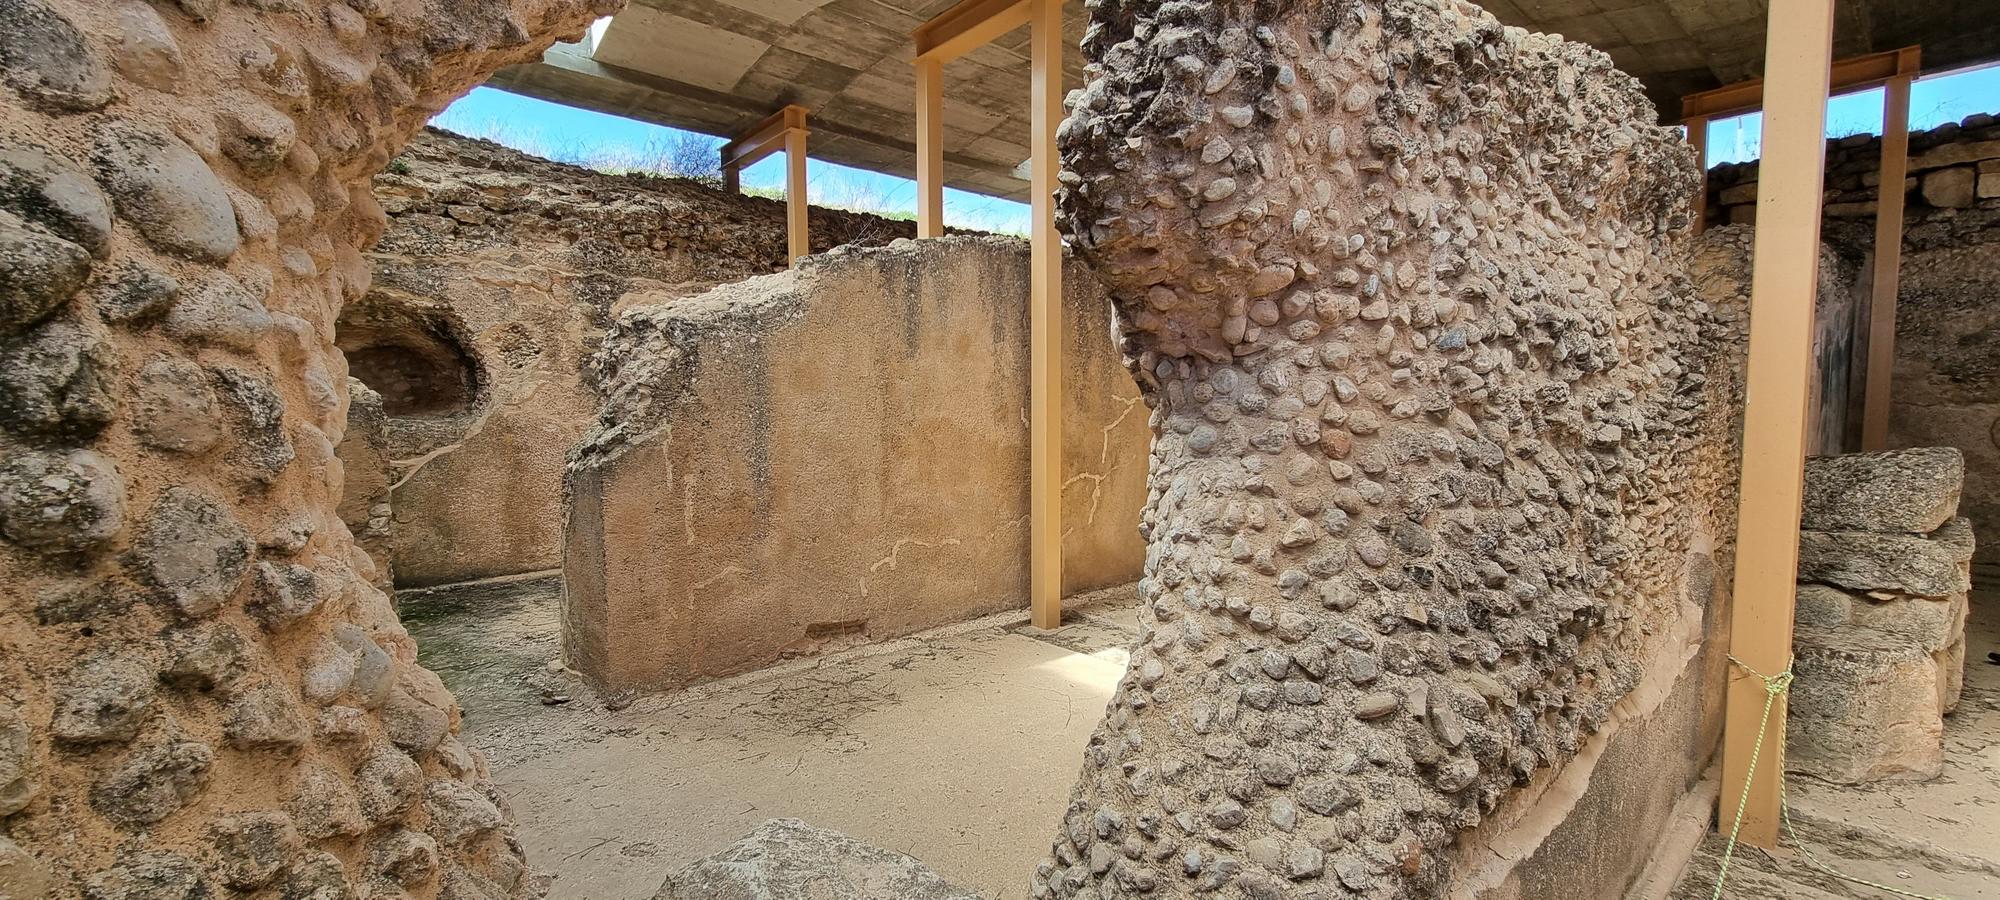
(56, 196)
(152, 875)
(153, 783)
(786, 859)
(17, 776)
(1864, 710)
(253, 848)
(1914, 490)
(22, 876)
(60, 502)
(257, 420)
(146, 51)
(193, 551)
(458, 811)
(56, 381)
(174, 406)
(164, 188)
(38, 272)
(1950, 188)
(1870, 561)
(48, 60)
(390, 782)
(264, 717)
(676, 400)
(217, 217)
(220, 311)
(1931, 624)
(137, 294)
(103, 699)
(1489, 383)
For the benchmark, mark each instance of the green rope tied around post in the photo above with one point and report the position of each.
(1775, 686)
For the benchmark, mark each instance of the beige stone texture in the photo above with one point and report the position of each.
(504, 269)
(810, 458)
(201, 693)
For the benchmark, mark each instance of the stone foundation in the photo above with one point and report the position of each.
(1879, 646)
(801, 461)
(201, 692)
(1441, 441)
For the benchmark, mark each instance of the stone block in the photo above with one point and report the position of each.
(1738, 193)
(1867, 561)
(1914, 490)
(786, 859)
(1989, 185)
(1954, 154)
(1864, 711)
(1921, 622)
(1860, 210)
(1949, 188)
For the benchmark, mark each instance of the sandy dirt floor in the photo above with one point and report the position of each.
(1938, 838)
(957, 746)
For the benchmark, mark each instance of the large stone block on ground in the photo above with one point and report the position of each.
(1865, 710)
(786, 859)
(1868, 561)
(1914, 490)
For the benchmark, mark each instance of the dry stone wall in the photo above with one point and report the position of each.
(1947, 370)
(799, 461)
(201, 694)
(494, 282)
(1436, 419)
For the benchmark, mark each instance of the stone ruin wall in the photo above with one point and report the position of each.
(1442, 453)
(1947, 370)
(796, 462)
(500, 272)
(200, 692)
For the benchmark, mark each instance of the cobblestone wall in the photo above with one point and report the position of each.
(1408, 293)
(200, 692)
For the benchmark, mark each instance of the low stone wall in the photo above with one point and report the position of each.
(810, 458)
(1947, 370)
(494, 281)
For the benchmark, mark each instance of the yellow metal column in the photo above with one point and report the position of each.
(796, 203)
(1045, 319)
(930, 148)
(1783, 283)
(1888, 263)
(1697, 136)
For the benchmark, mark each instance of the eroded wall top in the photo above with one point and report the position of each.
(1409, 292)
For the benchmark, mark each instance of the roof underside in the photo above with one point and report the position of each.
(720, 66)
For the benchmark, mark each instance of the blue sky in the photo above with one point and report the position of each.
(610, 142)
(1941, 98)
(603, 141)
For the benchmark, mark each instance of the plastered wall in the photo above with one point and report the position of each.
(838, 453)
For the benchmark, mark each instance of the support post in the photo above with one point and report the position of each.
(796, 203)
(1697, 137)
(1887, 277)
(1045, 309)
(1784, 277)
(930, 147)
(782, 130)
